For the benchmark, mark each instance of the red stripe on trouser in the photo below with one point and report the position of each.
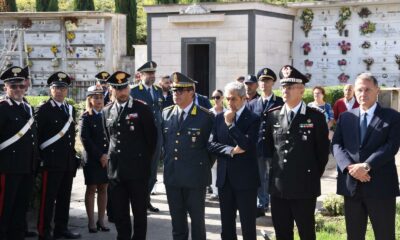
(42, 204)
(2, 191)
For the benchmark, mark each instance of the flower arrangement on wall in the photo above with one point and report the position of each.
(28, 49)
(368, 61)
(397, 56)
(367, 27)
(308, 64)
(54, 50)
(366, 45)
(342, 64)
(306, 48)
(344, 46)
(307, 17)
(344, 15)
(343, 78)
(364, 12)
(70, 36)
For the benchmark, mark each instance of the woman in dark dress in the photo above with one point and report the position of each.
(95, 154)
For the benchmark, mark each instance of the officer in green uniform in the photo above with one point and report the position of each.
(187, 171)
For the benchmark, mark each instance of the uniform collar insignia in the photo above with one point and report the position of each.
(194, 110)
(140, 86)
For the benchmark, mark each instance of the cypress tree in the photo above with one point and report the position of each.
(83, 5)
(129, 8)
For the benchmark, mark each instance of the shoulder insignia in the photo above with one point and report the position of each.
(317, 109)
(140, 87)
(274, 109)
(141, 101)
(194, 110)
(205, 110)
(155, 87)
(169, 107)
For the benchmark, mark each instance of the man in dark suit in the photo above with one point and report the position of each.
(187, 170)
(297, 136)
(165, 84)
(56, 135)
(130, 129)
(365, 143)
(18, 145)
(268, 100)
(149, 93)
(233, 141)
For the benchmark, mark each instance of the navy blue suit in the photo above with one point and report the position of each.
(168, 100)
(202, 101)
(378, 149)
(237, 176)
(258, 107)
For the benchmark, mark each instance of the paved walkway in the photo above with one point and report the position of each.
(159, 225)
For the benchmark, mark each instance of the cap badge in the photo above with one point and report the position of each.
(265, 71)
(120, 77)
(104, 75)
(16, 71)
(176, 78)
(61, 76)
(151, 65)
(286, 71)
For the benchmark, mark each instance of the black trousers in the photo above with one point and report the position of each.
(232, 200)
(285, 211)
(182, 201)
(56, 187)
(381, 212)
(124, 195)
(15, 191)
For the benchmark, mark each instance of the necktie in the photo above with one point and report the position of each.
(64, 108)
(363, 128)
(265, 103)
(120, 108)
(151, 95)
(181, 117)
(291, 116)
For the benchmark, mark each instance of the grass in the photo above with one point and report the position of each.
(334, 228)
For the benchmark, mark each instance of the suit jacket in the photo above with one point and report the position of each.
(300, 152)
(93, 138)
(186, 162)
(379, 148)
(167, 101)
(132, 135)
(203, 101)
(21, 156)
(59, 156)
(258, 108)
(156, 103)
(241, 170)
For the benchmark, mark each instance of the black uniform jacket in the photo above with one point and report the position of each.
(300, 152)
(93, 138)
(132, 135)
(21, 156)
(59, 156)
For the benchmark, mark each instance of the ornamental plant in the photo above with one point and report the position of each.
(342, 62)
(366, 44)
(367, 27)
(306, 48)
(307, 17)
(364, 12)
(344, 46)
(343, 78)
(308, 63)
(344, 15)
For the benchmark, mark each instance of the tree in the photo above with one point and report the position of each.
(166, 1)
(8, 6)
(47, 5)
(128, 7)
(83, 5)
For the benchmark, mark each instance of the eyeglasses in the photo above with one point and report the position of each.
(216, 97)
(14, 87)
(180, 90)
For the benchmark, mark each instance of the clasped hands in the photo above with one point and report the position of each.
(229, 116)
(359, 172)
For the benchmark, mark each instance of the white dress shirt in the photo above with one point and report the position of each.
(370, 114)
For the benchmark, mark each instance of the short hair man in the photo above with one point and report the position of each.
(365, 143)
(298, 137)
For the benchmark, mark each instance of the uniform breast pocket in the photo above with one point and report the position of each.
(194, 137)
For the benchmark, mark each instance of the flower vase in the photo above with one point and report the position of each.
(399, 66)
(305, 52)
(342, 67)
(344, 52)
(346, 33)
(368, 67)
(308, 68)
(365, 51)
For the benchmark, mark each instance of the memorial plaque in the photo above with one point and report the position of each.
(88, 38)
(8, 24)
(90, 24)
(42, 38)
(46, 25)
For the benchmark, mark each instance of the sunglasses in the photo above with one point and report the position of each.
(14, 87)
(216, 97)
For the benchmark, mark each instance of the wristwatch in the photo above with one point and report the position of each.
(367, 167)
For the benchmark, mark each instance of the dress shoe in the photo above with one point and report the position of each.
(67, 234)
(152, 209)
(92, 230)
(102, 228)
(260, 212)
(30, 234)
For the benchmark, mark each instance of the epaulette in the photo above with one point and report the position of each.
(135, 86)
(141, 101)
(274, 109)
(206, 110)
(109, 103)
(317, 109)
(168, 108)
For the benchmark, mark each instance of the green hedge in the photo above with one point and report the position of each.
(35, 101)
(333, 93)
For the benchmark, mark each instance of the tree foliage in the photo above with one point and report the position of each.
(47, 5)
(8, 6)
(83, 5)
(128, 7)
